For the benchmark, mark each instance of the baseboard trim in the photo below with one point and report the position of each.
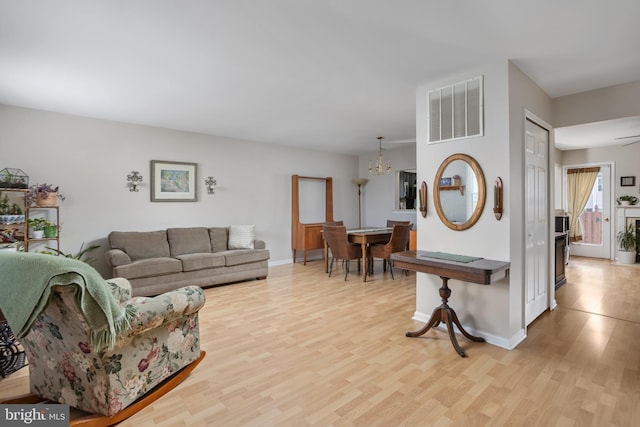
(498, 341)
(290, 260)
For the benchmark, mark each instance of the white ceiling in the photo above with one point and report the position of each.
(321, 74)
(619, 132)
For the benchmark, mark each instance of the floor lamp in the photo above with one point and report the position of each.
(360, 182)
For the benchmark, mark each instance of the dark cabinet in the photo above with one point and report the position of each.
(561, 247)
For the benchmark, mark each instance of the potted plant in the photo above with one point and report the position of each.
(82, 254)
(627, 242)
(43, 195)
(9, 212)
(37, 226)
(50, 230)
(627, 200)
(9, 241)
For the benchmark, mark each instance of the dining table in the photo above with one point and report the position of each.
(363, 237)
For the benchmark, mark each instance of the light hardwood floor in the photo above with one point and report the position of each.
(302, 349)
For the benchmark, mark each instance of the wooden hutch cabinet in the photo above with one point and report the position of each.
(308, 236)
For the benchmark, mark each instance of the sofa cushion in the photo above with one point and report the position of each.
(192, 262)
(116, 257)
(218, 237)
(149, 267)
(188, 240)
(245, 256)
(241, 236)
(141, 244)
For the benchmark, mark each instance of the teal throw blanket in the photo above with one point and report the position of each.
(26, 281)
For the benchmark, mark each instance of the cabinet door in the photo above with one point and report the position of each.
(313, 237)
(560, 248)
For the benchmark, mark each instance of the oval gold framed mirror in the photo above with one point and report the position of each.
(459, 191)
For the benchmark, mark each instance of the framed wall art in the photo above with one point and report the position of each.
(173, 181)
(627, 181)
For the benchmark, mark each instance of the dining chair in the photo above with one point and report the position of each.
(391, 223)
(341, 248)
(398, 243)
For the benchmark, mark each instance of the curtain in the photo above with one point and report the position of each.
(579, 185)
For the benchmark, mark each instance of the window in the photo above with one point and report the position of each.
(456, 111)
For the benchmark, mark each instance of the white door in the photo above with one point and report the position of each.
(536, 220)
(595, 218)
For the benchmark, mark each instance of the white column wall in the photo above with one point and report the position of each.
(495, 312)
(482, 309)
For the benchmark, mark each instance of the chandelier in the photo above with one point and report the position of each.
(379, 168)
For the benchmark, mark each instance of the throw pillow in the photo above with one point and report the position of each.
(241, 236)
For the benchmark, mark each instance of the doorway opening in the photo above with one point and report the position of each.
(594, 218)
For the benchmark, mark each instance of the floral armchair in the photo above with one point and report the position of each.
(78, 354)
(161, 339)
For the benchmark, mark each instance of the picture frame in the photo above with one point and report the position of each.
(173, 181)
(627, 181)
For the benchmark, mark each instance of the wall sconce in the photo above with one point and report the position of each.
(497, 199)
(133, 180)
(211, 183)
(422, 199)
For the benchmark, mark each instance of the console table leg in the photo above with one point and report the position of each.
(452, 333)
(433, 322)
(454, 317)
(444, 313)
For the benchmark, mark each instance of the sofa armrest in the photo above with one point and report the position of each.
(121, 289)
(116, 257)
(259, 244)
(152, 312)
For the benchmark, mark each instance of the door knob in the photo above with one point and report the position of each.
(606, 220)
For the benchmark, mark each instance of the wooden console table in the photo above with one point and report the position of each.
(450, 266)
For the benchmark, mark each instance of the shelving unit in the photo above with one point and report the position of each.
(21, 233)
(20, 228)
(50, 211)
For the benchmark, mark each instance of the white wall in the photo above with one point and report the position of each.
(89, 159)
(624, 158)
(613, 102)
(558, 181)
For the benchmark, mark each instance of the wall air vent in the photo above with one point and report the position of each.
(456, 111)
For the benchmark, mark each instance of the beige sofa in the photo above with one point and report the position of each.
(155, 262)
